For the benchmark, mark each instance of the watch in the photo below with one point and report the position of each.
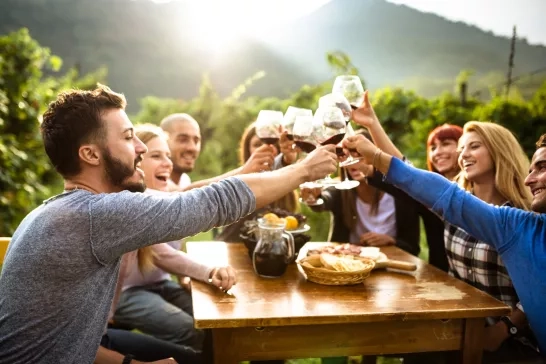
(127, 359)
(512, 329)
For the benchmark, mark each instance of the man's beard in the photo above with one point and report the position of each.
(181, 170)
(117, 173)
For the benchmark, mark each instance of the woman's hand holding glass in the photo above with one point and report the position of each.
(359, 146)
(261, 160)
(310, 194)
(288, 148)
(365, 115)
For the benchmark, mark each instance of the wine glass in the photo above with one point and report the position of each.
(290, 118)
(303, 133)
(347, 183)
(268, 126)
(349, 131)
(330, 125)
(351, 87)
(336, 99)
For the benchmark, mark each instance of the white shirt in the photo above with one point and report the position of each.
(185, 181)
(384, 222)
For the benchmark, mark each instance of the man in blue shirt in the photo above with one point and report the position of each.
(519, 236)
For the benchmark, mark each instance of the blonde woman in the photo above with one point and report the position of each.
(493, 168)
(150, 301)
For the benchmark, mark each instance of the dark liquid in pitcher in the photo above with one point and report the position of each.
(270, 265)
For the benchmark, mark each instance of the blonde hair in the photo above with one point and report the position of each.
(511, 162)
(147, 132)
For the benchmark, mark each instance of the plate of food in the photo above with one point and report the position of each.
(357, 252)
(294, 223)
(300, 230)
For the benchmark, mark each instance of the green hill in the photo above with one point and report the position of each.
(149, 49)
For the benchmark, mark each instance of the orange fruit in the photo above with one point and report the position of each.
(271, 218)
(291, 223)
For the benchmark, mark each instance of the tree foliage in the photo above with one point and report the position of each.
(26, 176)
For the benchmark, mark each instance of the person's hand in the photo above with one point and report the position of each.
(185, 282)
(320, 162)
(359, 146)
(365, 115)
(261, 160)
(288, 150)
(375, 239)
(310, 192)
(223, 277)
(494, 336)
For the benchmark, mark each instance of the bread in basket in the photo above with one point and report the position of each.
(336, 270)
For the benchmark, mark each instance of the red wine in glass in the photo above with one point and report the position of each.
(334, 139)
(339, 151)
(290, 136)
(270, 140)
(305, 146)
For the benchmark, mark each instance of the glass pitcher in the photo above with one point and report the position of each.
(274, 250)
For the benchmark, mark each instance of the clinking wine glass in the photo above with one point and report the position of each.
(290, 119)
(268, 125)
(303, 132)
(351, 87)
(350, 159)
(336, 99)
(330, 126)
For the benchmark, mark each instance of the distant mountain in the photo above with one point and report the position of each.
(391, 43)
(149, 49)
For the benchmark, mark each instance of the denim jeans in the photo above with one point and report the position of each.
(146, 348)
(162, 310)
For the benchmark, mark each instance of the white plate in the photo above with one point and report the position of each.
(304, 229)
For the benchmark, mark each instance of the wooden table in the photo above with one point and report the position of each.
(392, 312)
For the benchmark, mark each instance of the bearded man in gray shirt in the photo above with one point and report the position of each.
(62, 264)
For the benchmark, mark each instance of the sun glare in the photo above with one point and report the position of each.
(218, 25)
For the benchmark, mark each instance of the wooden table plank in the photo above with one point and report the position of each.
(426, 294)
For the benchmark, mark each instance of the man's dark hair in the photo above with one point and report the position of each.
(73, 119)
(542, 141)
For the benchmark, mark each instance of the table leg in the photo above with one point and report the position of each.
(473, 341)
(223, 352)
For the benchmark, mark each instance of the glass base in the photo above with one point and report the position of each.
(347, 185)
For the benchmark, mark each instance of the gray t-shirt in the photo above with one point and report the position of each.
(62, 265)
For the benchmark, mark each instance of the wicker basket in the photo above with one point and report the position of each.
(333, 278)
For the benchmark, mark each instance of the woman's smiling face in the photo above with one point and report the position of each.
(157, 164)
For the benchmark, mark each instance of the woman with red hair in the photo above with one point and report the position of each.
(442, 150)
